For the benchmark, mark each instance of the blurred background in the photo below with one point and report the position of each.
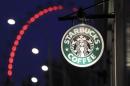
(39, 61)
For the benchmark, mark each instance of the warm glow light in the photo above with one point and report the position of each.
(11, 21)
(35, 51)
(34, 79)
(9, 72)
(45, 68)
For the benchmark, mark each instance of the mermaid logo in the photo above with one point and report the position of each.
(82, 45)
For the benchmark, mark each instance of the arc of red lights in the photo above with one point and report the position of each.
(22, 32)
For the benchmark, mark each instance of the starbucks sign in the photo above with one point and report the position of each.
(82, 45)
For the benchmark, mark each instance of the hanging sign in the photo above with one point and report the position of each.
(82, 45)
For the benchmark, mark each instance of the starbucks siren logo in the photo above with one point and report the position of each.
(82, 45)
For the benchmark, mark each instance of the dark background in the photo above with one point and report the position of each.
(46, 34)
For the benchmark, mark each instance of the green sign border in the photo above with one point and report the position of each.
(92, 63)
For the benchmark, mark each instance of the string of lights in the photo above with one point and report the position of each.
(22, 32)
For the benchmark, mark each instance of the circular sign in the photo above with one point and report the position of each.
(82, 45)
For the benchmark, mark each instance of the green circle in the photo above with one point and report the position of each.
(82, 45)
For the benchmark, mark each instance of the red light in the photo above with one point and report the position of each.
(14, 48)
(21, 32)
(40, 13)
(45, 11)
(25, 27)
(12, 54)
(32, 20)
(36, 16)
(11, 60)
(10, 66)
(10, 73)
(18, 37)
(16, 42)
(50, 9)
(55, 8)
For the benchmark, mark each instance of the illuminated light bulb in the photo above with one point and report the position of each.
(50, 9)
(25, 27)
(16, 42)
(18, 37)
(10, 66)
(45, 11)
(21, 32)
(45, 68)
(36, 16)
(11, 60)
(34, 79)
(12, 54)
(35, 51)
(55, 8)
(14, 48)
(9, 72)
(40, 13)
(32, 20)
(11, 21)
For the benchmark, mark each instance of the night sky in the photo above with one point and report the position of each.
(45, 34)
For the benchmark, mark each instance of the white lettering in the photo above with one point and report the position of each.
(84, 60)
(93, 56)
(66, 41)
(97, 41)
(70, 55)
(71, 34)
(67, 37)
(89, 59)
(76, 31)
(79, 60)
(74, 59)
